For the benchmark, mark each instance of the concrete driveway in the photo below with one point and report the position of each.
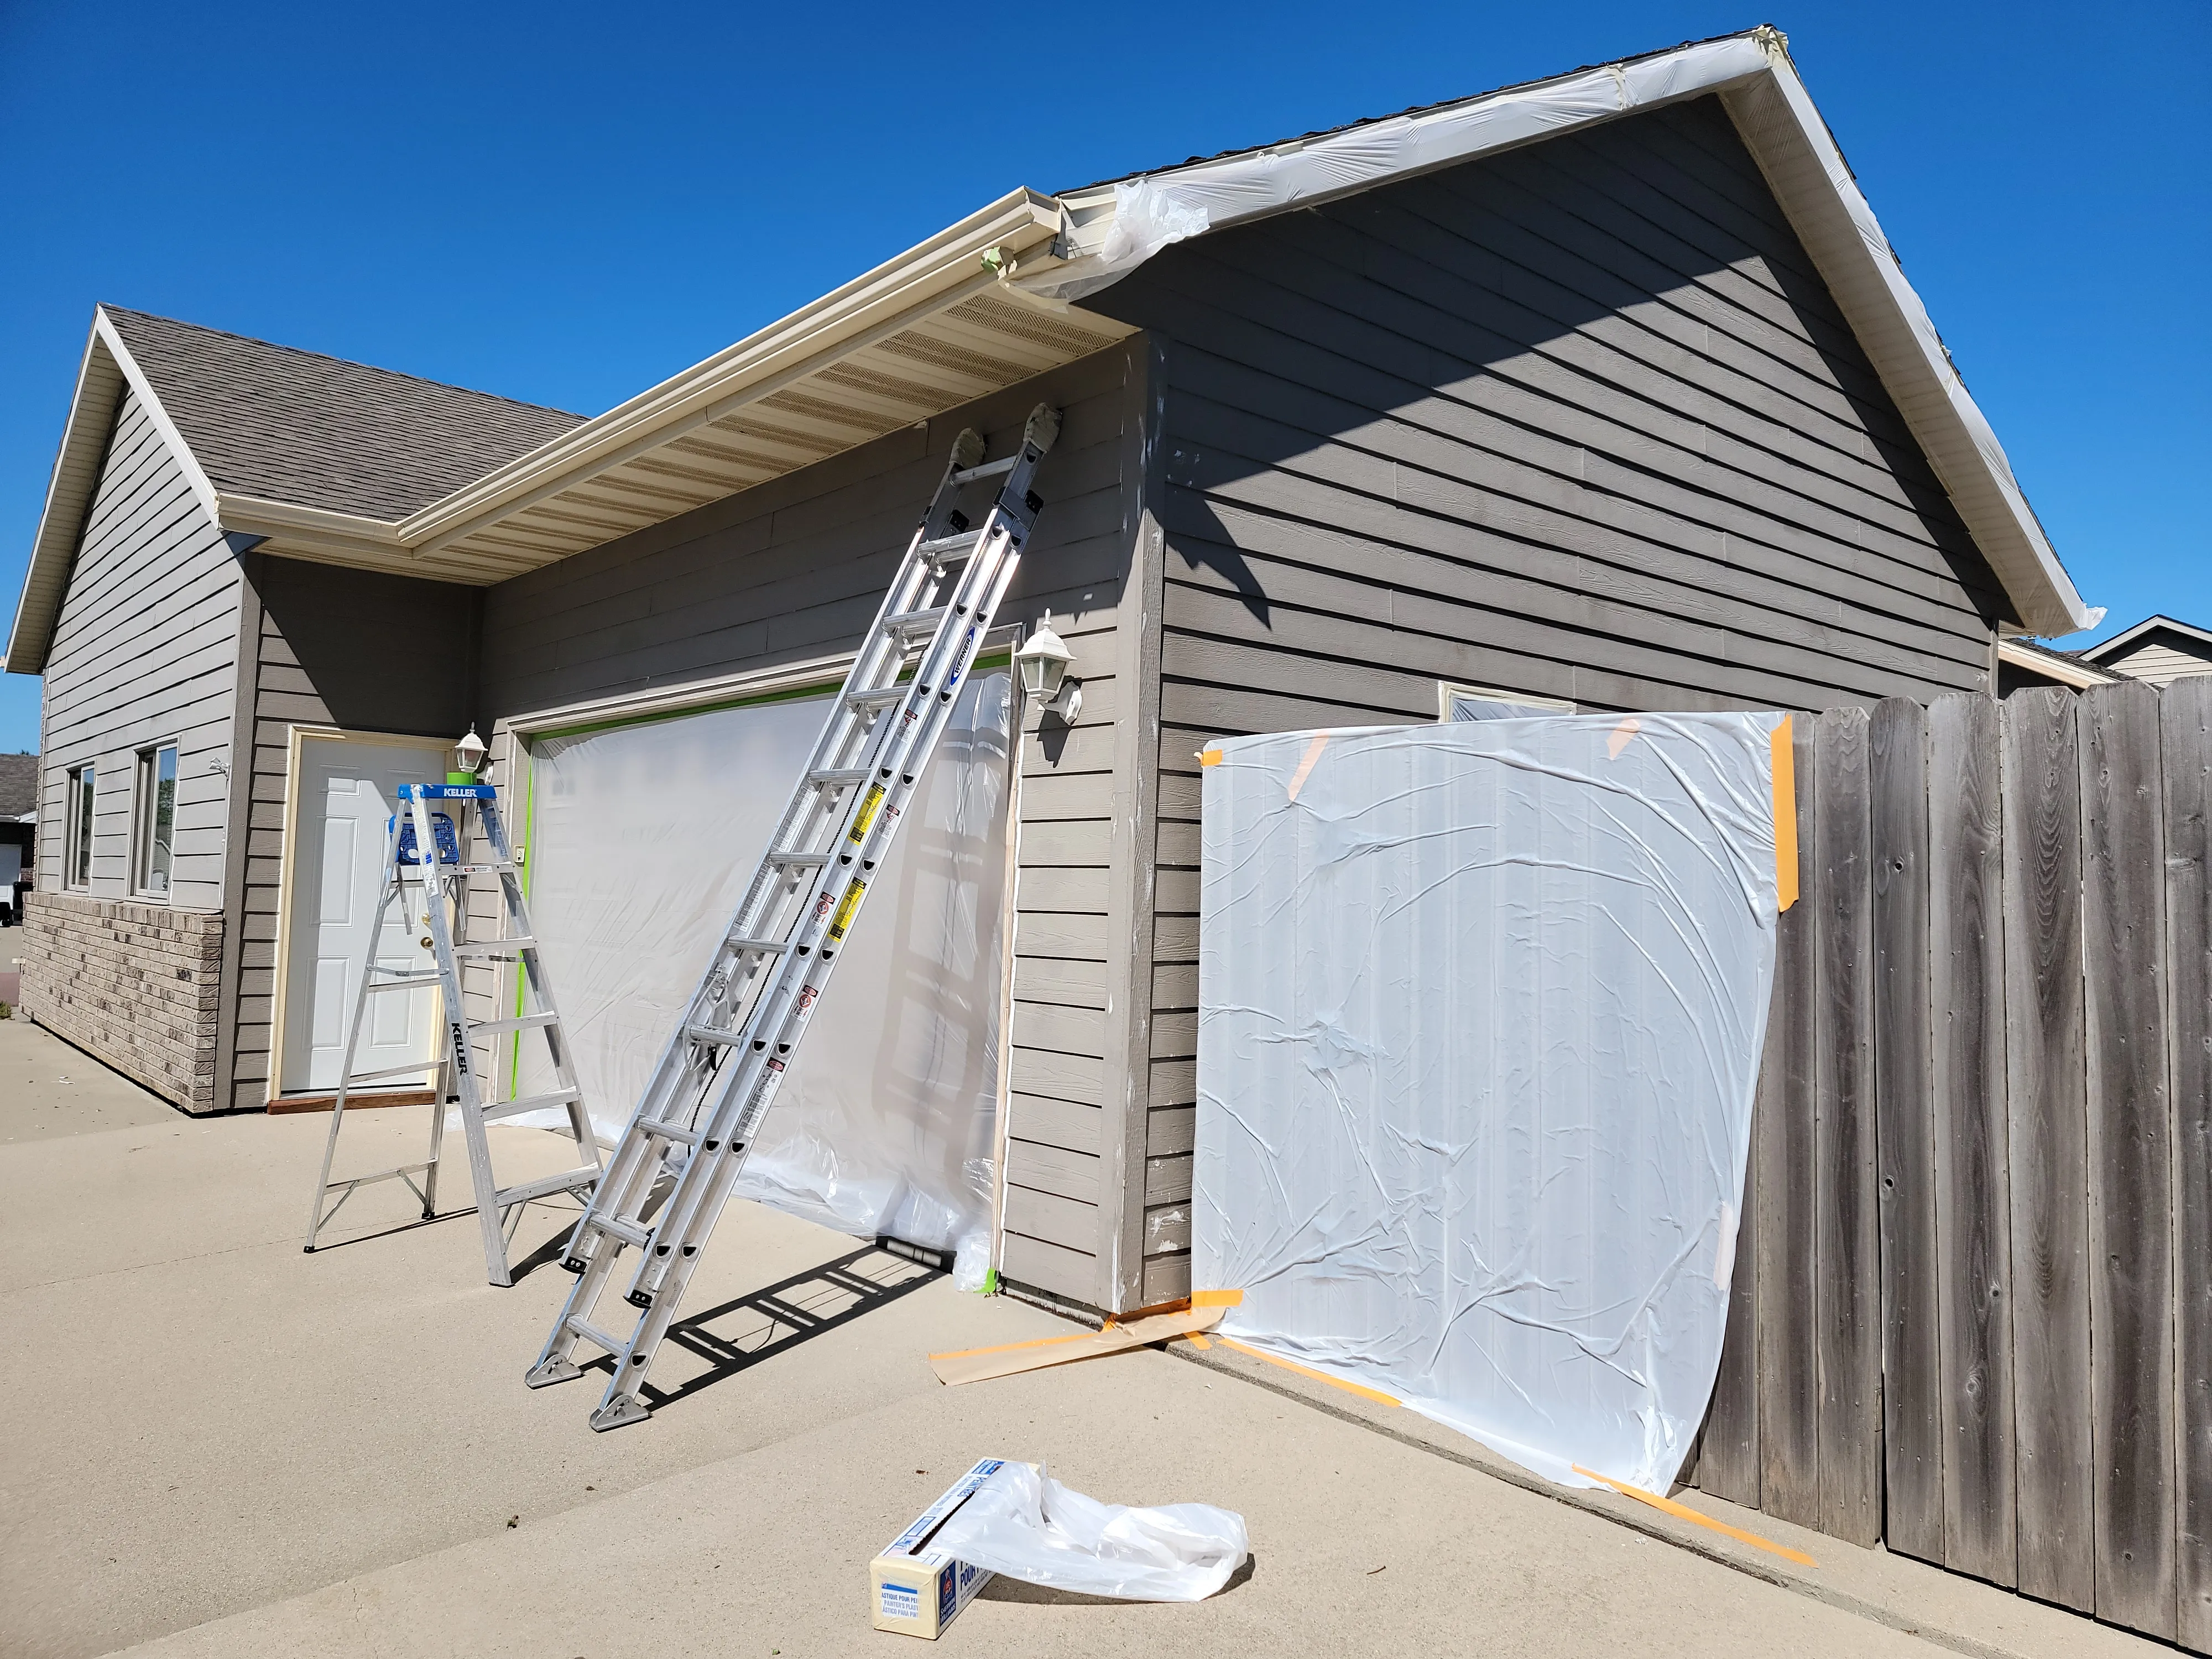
(221, 1446)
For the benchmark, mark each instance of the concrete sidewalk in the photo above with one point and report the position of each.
(240, 1449)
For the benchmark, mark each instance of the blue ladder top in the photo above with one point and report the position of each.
(447, 791)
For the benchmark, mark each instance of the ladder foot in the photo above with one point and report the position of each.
(547, 1372)
(623, 1409)
(638, 1299)
(574, 1264)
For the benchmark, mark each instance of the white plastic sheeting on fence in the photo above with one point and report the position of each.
(1481, 1009)
(641, 839)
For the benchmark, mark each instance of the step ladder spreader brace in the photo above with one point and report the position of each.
(426, 876)
(701, 1108)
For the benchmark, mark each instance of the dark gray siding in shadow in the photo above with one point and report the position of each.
(792, 571)
(355, 649)
(1581, 421)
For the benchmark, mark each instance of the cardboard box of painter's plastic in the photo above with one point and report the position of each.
(917, 1590)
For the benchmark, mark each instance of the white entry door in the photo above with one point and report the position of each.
(347, 793)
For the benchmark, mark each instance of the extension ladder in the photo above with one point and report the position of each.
(423, 860)
(702, 1107)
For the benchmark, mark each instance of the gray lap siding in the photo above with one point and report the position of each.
(1579, 420)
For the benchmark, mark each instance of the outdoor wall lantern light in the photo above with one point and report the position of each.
(468, 758)
(1043, 661)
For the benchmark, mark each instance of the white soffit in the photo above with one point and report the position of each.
(1117, 226)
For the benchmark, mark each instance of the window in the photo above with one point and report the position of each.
(1487, 702)
(155, 834)
(76, 832)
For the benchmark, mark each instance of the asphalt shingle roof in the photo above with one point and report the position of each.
(314, 431)
(19, 785)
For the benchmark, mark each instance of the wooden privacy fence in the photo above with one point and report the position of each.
(1971, 1314)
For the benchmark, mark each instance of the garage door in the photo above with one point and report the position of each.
(641, 838)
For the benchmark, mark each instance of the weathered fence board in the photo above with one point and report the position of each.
(2049, 1136)
(1846, 1247)
(1965, 1002)
(2185, 742)
(1987, 1095)
(2130, 1157)
(1912, 1432)
(1785, 1151)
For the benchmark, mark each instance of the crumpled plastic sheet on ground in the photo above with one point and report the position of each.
(1481, 1010)
(1028, 1525)
(641, 840)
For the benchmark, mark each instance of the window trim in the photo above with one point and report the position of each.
(145, 794)
(1448, 690)
(80, 802)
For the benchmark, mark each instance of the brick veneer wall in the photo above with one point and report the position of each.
(135, 984)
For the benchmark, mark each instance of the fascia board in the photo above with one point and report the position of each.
(102, 373)
(872, 306)
(1814, 185)
(252, 515)
(2080, 676)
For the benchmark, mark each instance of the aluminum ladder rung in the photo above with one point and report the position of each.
(521, 1103)
(938, 548)
(997, 469)
(635, 1237)
(728, 1053)
(546, 1186)
(591, 1333)
(518, 1023)
(472, 950)
(917, 622)
(399, 1174)
(407, 984)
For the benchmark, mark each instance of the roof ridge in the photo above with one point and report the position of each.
(330, 358)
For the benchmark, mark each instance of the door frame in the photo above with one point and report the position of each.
(297, 736)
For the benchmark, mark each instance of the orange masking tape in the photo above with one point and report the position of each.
(1307, 1370)
(1785, 817)
(1217, 1298)
(1209, 758)
(1684, 1512)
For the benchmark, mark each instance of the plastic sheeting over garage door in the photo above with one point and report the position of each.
(641, 839)
(1481, 1009)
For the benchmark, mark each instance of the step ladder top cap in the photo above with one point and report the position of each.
(447, 791)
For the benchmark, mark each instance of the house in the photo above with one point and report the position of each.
(1603, 392)
(2158, 649)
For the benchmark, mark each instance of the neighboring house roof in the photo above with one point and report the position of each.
(2158, 649)
(2061, 667)
(995, 299)
(19, 785)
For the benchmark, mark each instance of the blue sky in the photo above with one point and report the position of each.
(564, 204)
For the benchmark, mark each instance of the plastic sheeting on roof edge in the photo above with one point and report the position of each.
(1157, 211)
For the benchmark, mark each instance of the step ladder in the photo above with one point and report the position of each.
(425, 875)
(701, 1110)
